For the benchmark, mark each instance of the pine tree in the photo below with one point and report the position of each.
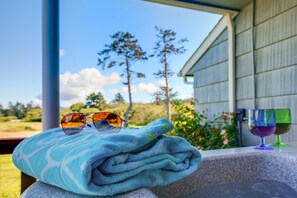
(96, 101)
(166, 47)
(118, 99)
(123, 51)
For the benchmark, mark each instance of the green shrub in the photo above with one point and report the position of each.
(7, 118)
(33, 115)
(144, 114)
(18, 128)
(141, 114)
(221, 132)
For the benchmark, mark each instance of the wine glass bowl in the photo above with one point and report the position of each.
(283, 124)
(262, 123)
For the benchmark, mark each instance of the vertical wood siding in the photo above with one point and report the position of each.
(211, 78)
(275, 59)
(277, 28)
(206, 76)
(244, 65)
(278, 55)
(267, 9)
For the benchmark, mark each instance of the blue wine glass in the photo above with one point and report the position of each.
(262, 122)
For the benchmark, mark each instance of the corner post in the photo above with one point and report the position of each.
(231, 62)
(50, 64)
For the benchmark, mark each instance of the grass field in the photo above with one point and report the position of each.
(10, 178)
(20, 126)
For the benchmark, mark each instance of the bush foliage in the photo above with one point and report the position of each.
(205, 134)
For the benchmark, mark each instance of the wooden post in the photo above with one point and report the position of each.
(26, 181)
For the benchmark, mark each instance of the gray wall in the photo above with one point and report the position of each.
(211, 78)
(275, 62)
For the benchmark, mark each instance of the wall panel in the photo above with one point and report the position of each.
(277, 55)
(276, 29)
(244, 65)
(267, 9)
(210, 75)
(213, 56)
(243, 21)
(277, 82)
(243, 42)
(244, 88)
(213, 93)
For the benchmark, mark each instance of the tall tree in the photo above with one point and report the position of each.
(165, 47)
(18, 110)
(118, 99)
(33, 115)
(1, 111)
(123, 51)
(96, 101)
(161, 96)
(77, 106)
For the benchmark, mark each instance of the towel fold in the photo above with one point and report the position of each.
(102, 164)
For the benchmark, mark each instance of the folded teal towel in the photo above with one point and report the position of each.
(96, 163)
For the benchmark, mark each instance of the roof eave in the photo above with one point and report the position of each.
(212, 36)
(197, 6)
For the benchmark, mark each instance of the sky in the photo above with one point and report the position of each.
(85, 27)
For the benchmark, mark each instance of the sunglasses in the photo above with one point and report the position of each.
(73, 123)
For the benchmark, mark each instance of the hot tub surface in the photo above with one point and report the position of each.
(248, 189)
(228, 168)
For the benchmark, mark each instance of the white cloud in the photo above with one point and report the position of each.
(37, 102)
(161, 82)
(139, 88)
(74, 87)
(62, 52)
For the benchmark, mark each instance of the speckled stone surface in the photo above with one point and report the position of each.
(42, 190)
(217, 167)
(237, 165)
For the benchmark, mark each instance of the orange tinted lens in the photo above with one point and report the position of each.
(73, 123)
(111, 118)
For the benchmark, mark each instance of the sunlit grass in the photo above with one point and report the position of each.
(20, 126)
(10, 178)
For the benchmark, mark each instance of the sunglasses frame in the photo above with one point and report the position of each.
(84, 123)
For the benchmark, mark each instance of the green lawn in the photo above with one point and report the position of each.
(10, 178)
(20, 126)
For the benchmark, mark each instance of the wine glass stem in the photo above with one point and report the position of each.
(278, 139)
(262, 141)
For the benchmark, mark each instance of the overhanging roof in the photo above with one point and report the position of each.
(222, 7)
(235, 5)
(213, 6)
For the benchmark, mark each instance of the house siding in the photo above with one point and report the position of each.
(275, 56)
(211, 78)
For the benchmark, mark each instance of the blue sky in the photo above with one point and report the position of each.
(85, 26)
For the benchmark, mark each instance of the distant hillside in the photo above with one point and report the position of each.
(141, 114)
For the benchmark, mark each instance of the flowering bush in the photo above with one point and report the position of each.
(204, 134)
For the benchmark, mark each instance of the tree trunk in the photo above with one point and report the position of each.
(167, 89)
(129, 109)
